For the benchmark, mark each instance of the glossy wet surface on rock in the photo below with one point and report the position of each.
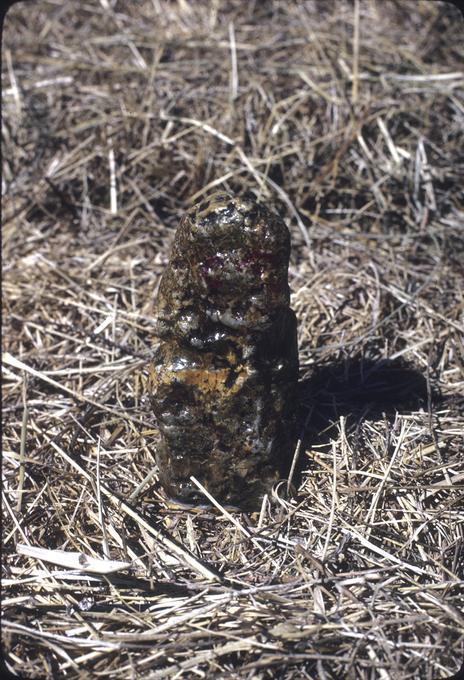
(223, 382)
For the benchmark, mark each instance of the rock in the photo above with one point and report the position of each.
(223, 382)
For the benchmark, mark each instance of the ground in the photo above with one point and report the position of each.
(347, 119)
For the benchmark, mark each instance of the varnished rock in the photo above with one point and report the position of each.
(223, 382)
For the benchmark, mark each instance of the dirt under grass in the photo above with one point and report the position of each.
(347, 118)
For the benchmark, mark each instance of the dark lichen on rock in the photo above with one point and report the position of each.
(223, 382)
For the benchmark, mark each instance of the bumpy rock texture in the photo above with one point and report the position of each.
(223, 381)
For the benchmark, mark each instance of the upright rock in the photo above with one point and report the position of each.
(223, 382)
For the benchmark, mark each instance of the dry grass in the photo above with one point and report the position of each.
(347, 118)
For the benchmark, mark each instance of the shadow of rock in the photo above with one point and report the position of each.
(358, 389)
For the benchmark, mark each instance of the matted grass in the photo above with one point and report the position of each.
(349, 120)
